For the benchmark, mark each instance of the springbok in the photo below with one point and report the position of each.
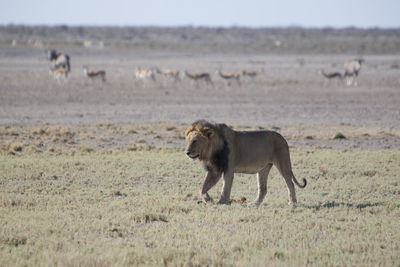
(169, 73)
(145, 74)
(59, 74)
(251, 74)
(351, 70)
(94, 74)
(332, 75)
(199, 76)
(59, 60)
(228, 77)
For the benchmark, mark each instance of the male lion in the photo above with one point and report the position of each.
(225, 151)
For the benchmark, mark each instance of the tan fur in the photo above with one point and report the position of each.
(142, 74)
(249, 73)
(170, 73)
(229, 77)
(199, 76)
(93, 74)
(245, 152)
(58, 74)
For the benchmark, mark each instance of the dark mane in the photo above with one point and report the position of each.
(219, 160)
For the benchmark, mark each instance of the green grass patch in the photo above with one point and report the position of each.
(141, 208)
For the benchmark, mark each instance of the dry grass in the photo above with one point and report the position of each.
(140, 208)
(100, 137)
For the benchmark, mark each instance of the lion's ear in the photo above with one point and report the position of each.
(209, 133)
(188, 130)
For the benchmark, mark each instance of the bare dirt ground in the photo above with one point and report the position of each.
(289, 95)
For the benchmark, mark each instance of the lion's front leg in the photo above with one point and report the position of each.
(211, 179)
(226, 188)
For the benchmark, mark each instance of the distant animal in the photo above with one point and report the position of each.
(170, 73)
(331, 75)
(204, 76)
(228, 77)
(94, 74)
(59, 73)
(145, 74)
(59, 59)
(251, 74)
(351, 71)
(224, 151)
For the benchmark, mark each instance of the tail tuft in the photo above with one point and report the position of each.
(298, 184)
(304, 183)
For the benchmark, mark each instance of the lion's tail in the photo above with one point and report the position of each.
(299, 185)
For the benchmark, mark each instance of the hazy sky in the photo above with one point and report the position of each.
(254, 13)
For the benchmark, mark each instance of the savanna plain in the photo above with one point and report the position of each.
(94, 173)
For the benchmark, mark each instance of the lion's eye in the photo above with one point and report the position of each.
(194, 142)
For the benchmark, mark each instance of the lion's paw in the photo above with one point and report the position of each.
(206, 198)
(224, 202)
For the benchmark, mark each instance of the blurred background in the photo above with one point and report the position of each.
(301, 67)
(253, 13)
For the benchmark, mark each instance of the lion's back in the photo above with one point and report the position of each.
(253, 146)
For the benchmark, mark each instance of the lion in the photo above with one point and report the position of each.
(225, 151)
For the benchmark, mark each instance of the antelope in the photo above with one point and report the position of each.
(59, 59)
(93, 74)
(251, 74)
(169, 73)
(59, 73)
(351, 70)
(229, 77)
(199, 76)
(332, 75)
(145, 74)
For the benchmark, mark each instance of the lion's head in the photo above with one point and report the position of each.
(202, 139)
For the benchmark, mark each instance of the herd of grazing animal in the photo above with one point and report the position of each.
(61, 67)
(176, 76)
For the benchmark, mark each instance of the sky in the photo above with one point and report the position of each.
(210, 13)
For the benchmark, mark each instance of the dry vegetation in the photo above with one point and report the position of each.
(141, 207)
(62, 139)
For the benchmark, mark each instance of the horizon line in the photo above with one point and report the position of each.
(293, 26)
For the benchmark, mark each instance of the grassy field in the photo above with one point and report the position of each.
(99, 208)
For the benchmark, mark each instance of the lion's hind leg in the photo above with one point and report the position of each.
(282, 163)
(262, 177)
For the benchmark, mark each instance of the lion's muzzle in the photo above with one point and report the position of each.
(192, 156)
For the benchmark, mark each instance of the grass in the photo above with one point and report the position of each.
(141, 208)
